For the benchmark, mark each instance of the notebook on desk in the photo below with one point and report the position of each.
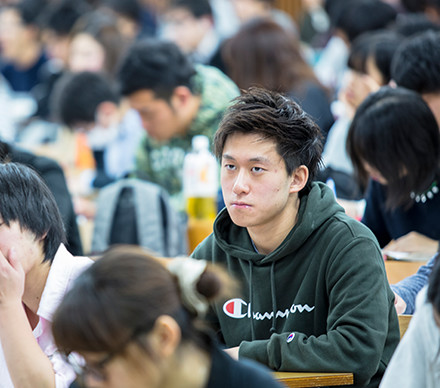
(406, 256)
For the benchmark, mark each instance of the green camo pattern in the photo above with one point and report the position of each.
(161, 162)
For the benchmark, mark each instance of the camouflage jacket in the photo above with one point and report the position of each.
(162, 163)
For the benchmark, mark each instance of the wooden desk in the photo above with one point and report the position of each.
(398, 270)
(313, 379)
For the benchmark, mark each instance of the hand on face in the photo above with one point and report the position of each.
(12, 278)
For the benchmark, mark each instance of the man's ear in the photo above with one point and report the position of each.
(181, 97)
(107, 114)
(165, 336)
(299, 179)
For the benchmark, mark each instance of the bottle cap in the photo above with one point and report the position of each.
(200, 142)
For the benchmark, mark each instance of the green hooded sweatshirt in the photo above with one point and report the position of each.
(319, 302)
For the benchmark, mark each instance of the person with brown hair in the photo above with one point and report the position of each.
(264, 54)
(128, 322)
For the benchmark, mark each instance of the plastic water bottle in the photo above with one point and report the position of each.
(200, 180)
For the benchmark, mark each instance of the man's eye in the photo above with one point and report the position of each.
(229, 167)
(257, 169)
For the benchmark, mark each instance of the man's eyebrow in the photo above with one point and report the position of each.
(259, 159)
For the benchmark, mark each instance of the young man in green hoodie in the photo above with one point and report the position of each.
(314, 291)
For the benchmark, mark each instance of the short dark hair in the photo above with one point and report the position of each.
(120, 297)
(433, 294)
(60, 17)
(131, 9)
(416, 63)
(395, 132)
(197, 8)
(25, 198)
(380, 46)
(298, 139)
(156, 65)
(357, 17)
(29, 10)
(77, 97)
(413, 23)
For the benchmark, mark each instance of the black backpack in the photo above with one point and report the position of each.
(133, 211)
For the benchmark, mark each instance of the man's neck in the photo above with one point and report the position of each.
(34, 285)
(269, 237)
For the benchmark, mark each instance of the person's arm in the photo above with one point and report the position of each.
(409, 287)
(360, 310)
(373, 215)
(27, 364)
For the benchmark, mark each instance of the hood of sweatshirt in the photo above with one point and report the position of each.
(316, 207)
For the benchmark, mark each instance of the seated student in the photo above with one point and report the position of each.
(35, 271)
(416, 362)
(89, 101)
(22, 51)
(394, 143)
(369, 65)
(176, 100)
(128, 322)
(264, 54)
(53, 176)
(314, 292)
(190, 24)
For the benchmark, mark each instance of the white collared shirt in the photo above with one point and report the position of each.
(64, 270)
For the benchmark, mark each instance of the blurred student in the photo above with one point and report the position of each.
(96, 44)
(416, 361)
(190, 24)
(369, 67)
(416, 66)
(314, 290)
(264, 54)
(35, 272)
(89, 102)
(176, 100)
(394, 144)
(128, 322)
(22, 50)
(53, 176)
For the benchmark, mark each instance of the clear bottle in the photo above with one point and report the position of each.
(200, 180)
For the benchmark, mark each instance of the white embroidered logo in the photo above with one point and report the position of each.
(237, 308)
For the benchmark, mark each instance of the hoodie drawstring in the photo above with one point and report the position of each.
(274, 299)
(251, 299)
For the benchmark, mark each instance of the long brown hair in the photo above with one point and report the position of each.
(264, 54)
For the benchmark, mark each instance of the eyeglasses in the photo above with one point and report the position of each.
(96, 370)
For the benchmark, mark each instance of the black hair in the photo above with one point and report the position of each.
(29, 10)
(60, 17)
(298, 139)
(413, 23)
(197, 8)
(395, 132)
(380, 46)
(131, 9)
(120, 297)
(416, 63)
(25, 198)
(359, 16)
(77, 97)
(156, 65)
